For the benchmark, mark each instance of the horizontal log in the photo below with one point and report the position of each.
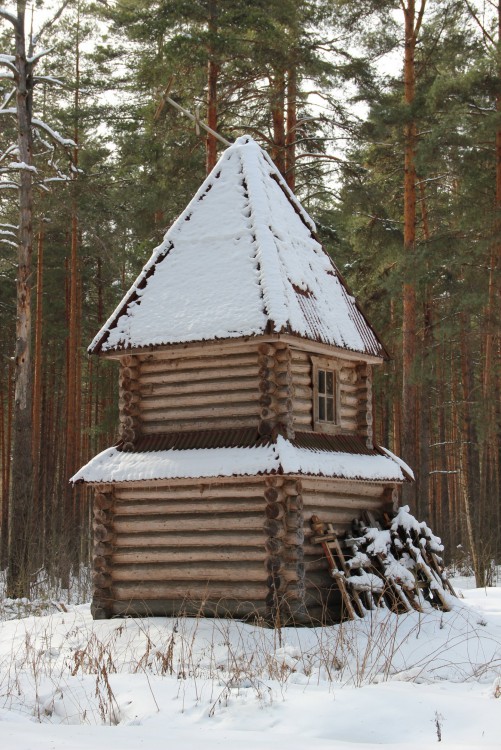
(242, 538)
(139, 524)
(302, 391)
(348, 425)
(349, 413)
(348, 400)
(159, 427)
(175, 492)
(246, 400)
(302, 406)
(198, 411)
(201, 506)
(207, 555)
(304, 420)
(198, 363)
(189, 591)
(205, 387)
(212, 374)
(344, 502)
(334, 487)
(300, 368)
(222, 572)
(175, 607)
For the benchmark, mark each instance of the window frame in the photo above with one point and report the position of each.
(333, 366)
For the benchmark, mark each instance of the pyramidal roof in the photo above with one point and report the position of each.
(241, 260)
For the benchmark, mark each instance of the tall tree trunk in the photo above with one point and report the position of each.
(73, 400)
(291, 132)
(278, 118)
(409, 391)
(21, 495)
(212, 80)
(37, 375)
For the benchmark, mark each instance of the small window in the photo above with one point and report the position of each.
(326, 396)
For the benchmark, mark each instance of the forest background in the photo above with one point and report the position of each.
(385, 118)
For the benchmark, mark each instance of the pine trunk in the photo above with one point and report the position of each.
(409, 389)
(21, 495)
(291, 133)
(212, 80)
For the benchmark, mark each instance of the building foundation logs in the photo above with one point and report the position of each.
(102, 599)
(284, 537)
(275, 386)
(129, 400)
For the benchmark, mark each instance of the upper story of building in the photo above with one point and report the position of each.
(240, 320)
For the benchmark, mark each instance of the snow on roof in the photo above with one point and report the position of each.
(113, 465)
(241, 260)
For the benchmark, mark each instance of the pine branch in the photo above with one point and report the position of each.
(48, 24)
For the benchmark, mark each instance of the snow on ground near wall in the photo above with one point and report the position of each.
(390, 681)
(116, 466)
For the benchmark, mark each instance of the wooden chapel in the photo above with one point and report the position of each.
(245, 408)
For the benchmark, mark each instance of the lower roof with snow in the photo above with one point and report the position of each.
(264, 457)
(241, 260)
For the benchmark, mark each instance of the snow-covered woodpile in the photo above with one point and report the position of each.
(391, 562)
(245, 408)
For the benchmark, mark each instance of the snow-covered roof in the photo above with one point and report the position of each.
(115, 465)
(241, 260)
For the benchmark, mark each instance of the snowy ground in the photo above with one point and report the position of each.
(406, 682)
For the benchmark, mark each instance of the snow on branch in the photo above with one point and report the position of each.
(65, 142)
(13, 149)
(4, 13)
(8, 62)
(47, 79)
(33, 60)
(8, 242)
(22, 166)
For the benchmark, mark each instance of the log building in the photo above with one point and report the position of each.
(245, 408)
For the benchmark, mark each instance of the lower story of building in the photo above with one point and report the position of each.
(236, 547)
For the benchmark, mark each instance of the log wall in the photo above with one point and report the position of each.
(204, 392)
(218, 548)
(237, 547)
